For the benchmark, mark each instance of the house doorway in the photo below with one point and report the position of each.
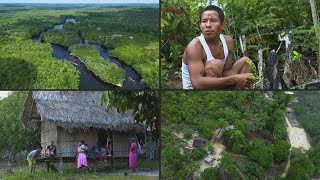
(105, 138)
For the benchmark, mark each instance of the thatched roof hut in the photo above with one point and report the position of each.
(69, 116)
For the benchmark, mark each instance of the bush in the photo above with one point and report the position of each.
(210, 147)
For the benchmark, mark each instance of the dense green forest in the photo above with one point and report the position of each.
(134, 29)
(106, 70)
(262, 23)
(256, 139)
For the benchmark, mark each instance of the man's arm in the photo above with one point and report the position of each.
(194, 55)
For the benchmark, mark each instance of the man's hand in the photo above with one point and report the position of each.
(243, 80)
(213, 68)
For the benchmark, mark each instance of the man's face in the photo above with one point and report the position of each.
(210, 24)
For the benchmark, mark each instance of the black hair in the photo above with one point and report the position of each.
(213, 8)
(82, 141)
(40, 147)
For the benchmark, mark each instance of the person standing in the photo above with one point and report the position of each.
(32, 157)
(81, 155)
(133, 155)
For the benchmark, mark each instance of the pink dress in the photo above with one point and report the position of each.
(82, 158)
(133, 155)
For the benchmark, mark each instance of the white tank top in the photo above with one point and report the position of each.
(186, 82)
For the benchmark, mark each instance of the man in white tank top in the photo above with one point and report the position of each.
(207, 60)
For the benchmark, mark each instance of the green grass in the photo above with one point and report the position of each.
(105, 70)
(70, 172)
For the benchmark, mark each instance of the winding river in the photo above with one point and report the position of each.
(87, 79)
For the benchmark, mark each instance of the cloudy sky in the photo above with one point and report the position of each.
(79, 1)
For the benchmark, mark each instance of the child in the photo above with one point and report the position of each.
(32, 157)
(51, 150)
(81, 155)
(103, 155)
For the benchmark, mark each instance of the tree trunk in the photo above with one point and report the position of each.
(317, 28)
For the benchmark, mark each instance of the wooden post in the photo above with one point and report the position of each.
(260, 66)
(47, 166)
(287, 74)
(60, 165)
(242, 39)
(273, 71)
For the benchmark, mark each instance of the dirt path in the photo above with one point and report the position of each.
(297, 136)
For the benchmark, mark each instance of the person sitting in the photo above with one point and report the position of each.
(207, 60)
(96, 150)
(103, 155)
(50, 151)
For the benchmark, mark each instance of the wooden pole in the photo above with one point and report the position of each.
(260, 66)
(242, 39)
(287, 74)
(273, 71)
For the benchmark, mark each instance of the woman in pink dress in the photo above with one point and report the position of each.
(133, 155)
(81, 156)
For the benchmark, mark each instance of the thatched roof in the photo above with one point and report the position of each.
(76, 109)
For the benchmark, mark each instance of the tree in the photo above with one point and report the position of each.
(144, 105)
(317, 28)
(261, 152)
(314, 154)
(254, 171)
(301, 167)
(242, 125)
(227, 168)
(281, 151)
(209, 173)
(234, 139)
(16, 138)
(261, 120)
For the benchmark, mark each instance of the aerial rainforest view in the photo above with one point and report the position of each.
(79, 46)
(282, 38)
(240, 135)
